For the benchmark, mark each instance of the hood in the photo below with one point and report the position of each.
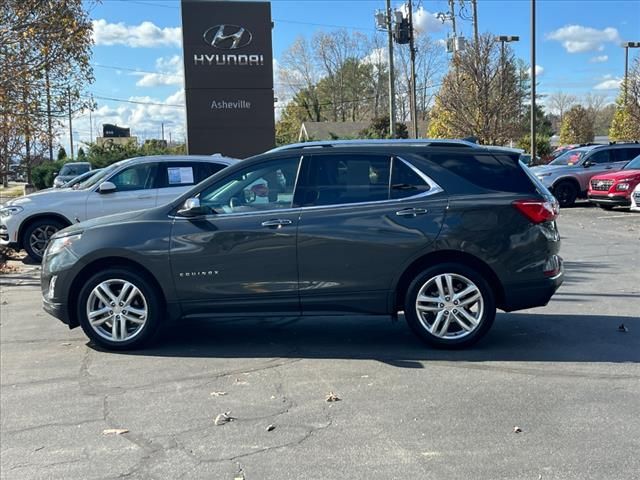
(118, 218)
(550, 168)
(46, 197)
(619, 175)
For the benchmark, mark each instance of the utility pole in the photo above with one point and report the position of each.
(627, 46)
(47, 86)
(452, 13)
(412, 50)
(162, 131)
(70, 124)
(474, 3)
(533, 80)
(392, 87)
(90, 125)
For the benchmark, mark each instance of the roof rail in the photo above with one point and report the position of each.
(421, 142)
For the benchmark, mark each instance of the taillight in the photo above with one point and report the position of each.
(538, 211)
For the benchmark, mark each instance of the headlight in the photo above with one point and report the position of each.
(622, 187)
(58, 244)
(8, 211)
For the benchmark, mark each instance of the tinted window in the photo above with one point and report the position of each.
(138, 177)
(68, 170)
(601, 156)
(570, 157)
(176, 174)
(405, 182)
(491, 172)
(626, 154)
(633, 164)
(340, 179)
(261, 187)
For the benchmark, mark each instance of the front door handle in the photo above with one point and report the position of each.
(411, 212)
(145, 197)
(276, 223)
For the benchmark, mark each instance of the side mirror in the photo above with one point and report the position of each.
(192, 208)
(55, 174)
(106, 187)
(587, 164)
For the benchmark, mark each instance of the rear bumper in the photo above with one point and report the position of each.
(531, 294)
(615, 200)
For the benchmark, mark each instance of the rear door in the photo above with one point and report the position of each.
(362, 218)
(624, 155)
(135, 190)
(174, 178)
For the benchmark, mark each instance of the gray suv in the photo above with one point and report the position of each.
(445, 231)
(567, 177)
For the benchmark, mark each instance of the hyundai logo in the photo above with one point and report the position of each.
(227, 37)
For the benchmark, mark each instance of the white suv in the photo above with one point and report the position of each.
(134, 184)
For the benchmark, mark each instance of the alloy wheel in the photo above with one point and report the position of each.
(117, 310)
(449, 306)
(40, 237)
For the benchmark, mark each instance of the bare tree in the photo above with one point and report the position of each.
(559, 102)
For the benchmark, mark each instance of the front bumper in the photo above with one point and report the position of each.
(58, 310)
(614, 200)
(532, 294)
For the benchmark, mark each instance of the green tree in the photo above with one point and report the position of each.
(62, 154)
(577, 126)
(543, 144)
(625, 124)
(82, 157)
(379, 128)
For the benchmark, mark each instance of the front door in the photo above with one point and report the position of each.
(241, 256)
(135, 190)
(359, 227)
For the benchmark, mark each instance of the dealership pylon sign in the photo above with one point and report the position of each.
(228, 70)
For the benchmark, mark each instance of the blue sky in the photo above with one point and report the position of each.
(577, 48)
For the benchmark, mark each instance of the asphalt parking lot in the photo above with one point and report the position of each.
(564, 375)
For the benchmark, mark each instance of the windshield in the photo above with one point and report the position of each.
(81, 178)
(94, 180)
(633, 164)
(569, 158)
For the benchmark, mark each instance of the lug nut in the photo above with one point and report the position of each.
(446, 312)
(124, 312)
(446, 298)
(110, 312)
(455, 311)
(121, 304)
(113, 304)
(442, 305)
(455, 302)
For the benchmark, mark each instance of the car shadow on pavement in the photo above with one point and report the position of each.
(514, 337)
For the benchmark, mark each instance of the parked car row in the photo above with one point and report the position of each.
(569, 176)
(139, 183)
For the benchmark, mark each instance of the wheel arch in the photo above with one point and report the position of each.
(107, 262)
(40, 216)
(445, 256)
(568, 179)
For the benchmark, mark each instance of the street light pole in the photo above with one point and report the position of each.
(504, 39)
(412, 49)
(392, 88)
(627, 46)
(533, 79)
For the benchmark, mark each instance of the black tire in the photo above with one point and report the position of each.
(605, 207)
(150, 295)
(484, 323)
(46, 225)
(566, 193)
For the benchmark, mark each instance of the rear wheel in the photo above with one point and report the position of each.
(119, 309)
(450, 306)
(566, 193)
(37, 236)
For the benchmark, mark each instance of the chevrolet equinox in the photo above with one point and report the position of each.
(445, 231)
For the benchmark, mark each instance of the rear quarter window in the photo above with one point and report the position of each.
(488, 171)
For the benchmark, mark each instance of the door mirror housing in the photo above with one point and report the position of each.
(587, 163)
(55, 174)
(192, 208)
(106, 187)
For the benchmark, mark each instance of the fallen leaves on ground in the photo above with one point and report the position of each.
(271, 428)
(332, 397)
(115, 431)
(517, 430)
(622, 328)
(218, 394)
(223, 418)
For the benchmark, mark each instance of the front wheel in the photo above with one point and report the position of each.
(450, 306)
(37, 236)
(119, 309)
(566, 193)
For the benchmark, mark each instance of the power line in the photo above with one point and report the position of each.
(137, 102)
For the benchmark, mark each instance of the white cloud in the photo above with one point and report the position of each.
(609, 84)
(539, 70)
(599, 59)
(427, 22)
(170, 72)
(578, 39)
(147, 34)
(377, 56)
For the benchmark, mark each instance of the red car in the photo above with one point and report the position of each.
(614, 189)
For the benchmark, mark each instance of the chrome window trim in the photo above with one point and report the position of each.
(434, 189)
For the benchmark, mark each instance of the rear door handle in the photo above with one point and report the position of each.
(145, 197)
(411, 212)
(276, 223)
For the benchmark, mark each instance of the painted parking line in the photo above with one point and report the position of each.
(613, 216)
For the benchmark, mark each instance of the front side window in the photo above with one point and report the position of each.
(262, 187)
(344, 179)
(137, 177)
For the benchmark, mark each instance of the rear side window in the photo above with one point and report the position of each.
(344, 179)
(601, 156)
(626, 154)
(405, 182)
(490, 172)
